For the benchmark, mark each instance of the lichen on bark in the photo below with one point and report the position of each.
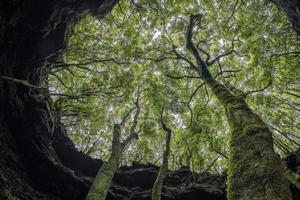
(255, 170)
(103, 179)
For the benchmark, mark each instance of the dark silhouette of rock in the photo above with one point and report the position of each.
(135, 183)
(35, 156)
(293, 163)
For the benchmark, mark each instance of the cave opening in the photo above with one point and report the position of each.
(94, 81)
(136, 66)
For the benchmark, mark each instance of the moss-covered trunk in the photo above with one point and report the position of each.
(255, 170)
(157, 186)
(103, 179)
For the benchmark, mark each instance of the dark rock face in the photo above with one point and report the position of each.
(293, 163)
(34, 152)
(135, 183)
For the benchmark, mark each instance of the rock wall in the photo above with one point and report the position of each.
(31, 34)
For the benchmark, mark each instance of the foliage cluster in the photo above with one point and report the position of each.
(141, 44)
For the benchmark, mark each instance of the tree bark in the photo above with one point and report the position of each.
(157, 186)
(255, 170)
(103, 180)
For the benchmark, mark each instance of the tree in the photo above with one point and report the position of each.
(103, 179)
(252, 155)
(260, 56)
(157, 186)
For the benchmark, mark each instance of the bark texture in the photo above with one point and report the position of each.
(157, 187)
(255, 170)
(104, 177)
(103, 180)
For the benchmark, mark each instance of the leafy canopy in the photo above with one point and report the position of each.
(248, 44)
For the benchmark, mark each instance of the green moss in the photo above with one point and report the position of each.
(250, 129)
(237, 105)
(228, 182)
(9, 195)
(254, 170)
(250, 161)
(293, 177)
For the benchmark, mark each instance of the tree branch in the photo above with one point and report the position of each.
(259, 90)
(202, 67)
(133, 133)
(22, 82)
(181, 77)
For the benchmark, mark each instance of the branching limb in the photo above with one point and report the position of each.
(126, 116)
(202, 67)
(189, 104)
(182, 57)
(22, 82)
(212, 164)
(157, 186)
(133, 132)
(234, 9)
(92, 149)
(194, 19)
(208, 57)
(212, 146)
(258, 90)
(178, 55)
(59, 79)
(164, 126)
(181, 77)
(206, 103)
(226, 53)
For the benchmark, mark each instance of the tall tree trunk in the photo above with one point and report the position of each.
(157, 186)
(104, 177)
(292, 10)
(255, 170)
(103, 180)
